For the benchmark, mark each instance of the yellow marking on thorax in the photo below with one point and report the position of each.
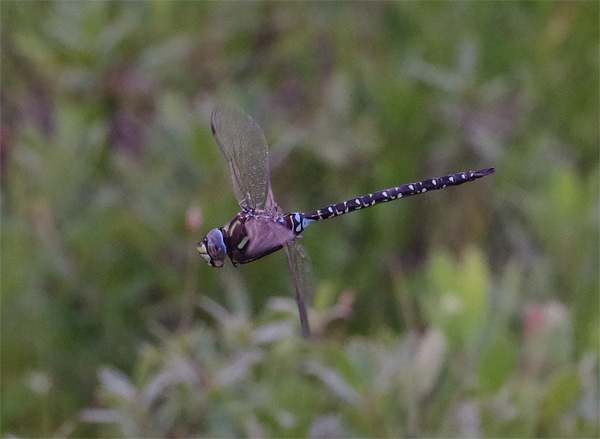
(243, 242)
(233, 226)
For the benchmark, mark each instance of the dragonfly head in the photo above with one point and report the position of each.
(212, 248)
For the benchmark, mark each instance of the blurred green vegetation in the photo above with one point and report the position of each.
(468, 312)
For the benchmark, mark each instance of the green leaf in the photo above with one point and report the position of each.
(497, 363)
(561, 394)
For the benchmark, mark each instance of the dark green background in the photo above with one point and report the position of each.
(474, 309)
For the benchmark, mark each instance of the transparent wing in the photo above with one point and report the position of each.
(244, 144)
(271, 205)
(301, 279)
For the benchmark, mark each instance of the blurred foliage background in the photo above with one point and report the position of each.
(471, 311)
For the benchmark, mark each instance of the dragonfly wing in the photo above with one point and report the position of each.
(271, 206)
(245, 147)
(301, 275)
(265, 236)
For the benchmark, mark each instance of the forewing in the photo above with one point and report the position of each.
(301, 275)
(265, 236)
(271, 206)
(245, 147)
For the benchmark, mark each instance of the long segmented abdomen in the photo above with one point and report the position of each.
(299, 221)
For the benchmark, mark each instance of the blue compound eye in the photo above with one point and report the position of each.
(213, 249)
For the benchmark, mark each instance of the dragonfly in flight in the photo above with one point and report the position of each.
(262, 227)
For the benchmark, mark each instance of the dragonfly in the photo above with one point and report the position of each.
(262, 227)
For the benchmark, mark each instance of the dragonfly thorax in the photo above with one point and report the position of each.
(213, 249)
(251, 235)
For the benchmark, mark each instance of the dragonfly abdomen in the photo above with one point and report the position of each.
(299, 221)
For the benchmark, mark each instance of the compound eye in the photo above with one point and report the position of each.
(216, 245)
(213, 249)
